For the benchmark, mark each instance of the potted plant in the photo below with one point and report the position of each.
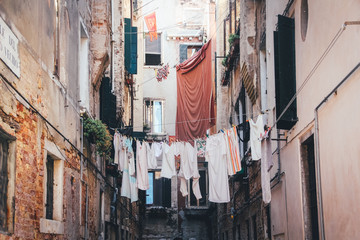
(97, 133)
(233, 38)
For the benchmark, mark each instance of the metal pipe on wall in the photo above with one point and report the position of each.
(317, 151)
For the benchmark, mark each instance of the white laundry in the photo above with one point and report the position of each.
(189, 169)
(265, 174)
(186, 151)
(218, 174)
(266, 165)
(256, 133)
(116, 147)
(129, 184)
(196, 188)
(168, 169)
(157, 149)
(141, 166)
(151, 160)
(122, 153)
(183, 187)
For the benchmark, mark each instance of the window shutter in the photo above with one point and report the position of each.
(285, 74)
(183, 52)
(133, 51)
(127, 44)
(107, 104)
(3, 185)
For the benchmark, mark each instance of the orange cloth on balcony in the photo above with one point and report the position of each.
(195, 102)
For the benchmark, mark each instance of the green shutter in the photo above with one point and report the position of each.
(285, 74)
(133, 51)
(127, 50)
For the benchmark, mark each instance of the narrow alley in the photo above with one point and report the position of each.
(179, 119)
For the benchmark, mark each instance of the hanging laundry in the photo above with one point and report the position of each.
(129, 185)
(256, 133)
(151, 160)
(116, 143)
(218, 173)
(122, 153)
(266, 165)
(168, 169)
(200, 147)
(195, 102)
(266, 150)
(162, 73)
(158, 151)
(141, 166)
(189, 169)
(233, 151)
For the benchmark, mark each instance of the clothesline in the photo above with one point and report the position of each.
(221, 151)
(198, 120)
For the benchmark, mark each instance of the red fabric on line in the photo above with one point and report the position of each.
(195, 103)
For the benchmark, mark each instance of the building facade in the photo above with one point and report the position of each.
(286, 67)
(57, 70)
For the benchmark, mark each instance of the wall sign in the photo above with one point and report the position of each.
(9, 53)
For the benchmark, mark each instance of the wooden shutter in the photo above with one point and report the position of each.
(133, 51)
(127, 43)
(285, 74)
(3, 184)
(49, 188)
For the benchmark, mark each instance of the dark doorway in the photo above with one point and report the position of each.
(309, 189)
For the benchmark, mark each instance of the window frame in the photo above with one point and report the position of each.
(10, 142)
(149, 117)
(163, 187)
(147, 36)
(56, 224)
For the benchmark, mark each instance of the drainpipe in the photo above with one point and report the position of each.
(317, 151)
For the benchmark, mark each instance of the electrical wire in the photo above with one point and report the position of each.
(7, 84)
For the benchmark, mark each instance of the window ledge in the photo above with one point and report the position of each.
(51, 226)
(152, 66)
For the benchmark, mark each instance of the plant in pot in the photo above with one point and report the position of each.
(98, 134)
(233, 38)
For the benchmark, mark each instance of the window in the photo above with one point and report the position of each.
(187, 51)
(192, 201)
(152, 51)
(56, 38)
(49, 188)
(7, 181)
(154, 115)
(159, 193)
(53, 190)
(285, 75)
(309, 189)
(84, 67)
